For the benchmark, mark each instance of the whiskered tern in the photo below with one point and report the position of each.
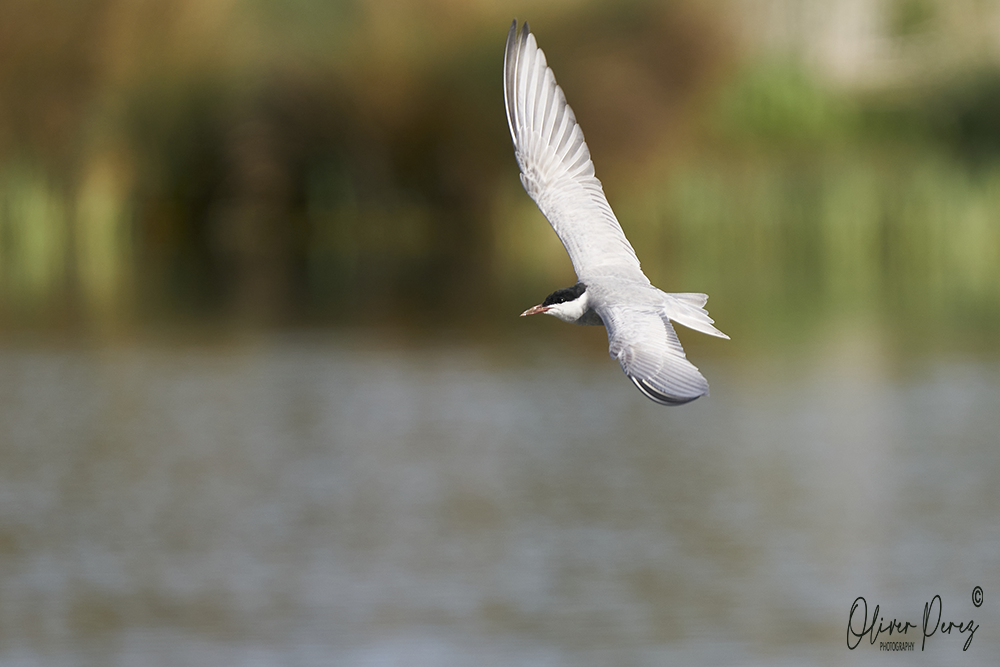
(611, 288)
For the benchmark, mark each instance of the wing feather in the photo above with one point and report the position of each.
(646, 345)
(556, 169)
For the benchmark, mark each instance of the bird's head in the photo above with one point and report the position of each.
(568, 304)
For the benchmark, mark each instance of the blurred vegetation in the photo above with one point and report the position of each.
(265, 162)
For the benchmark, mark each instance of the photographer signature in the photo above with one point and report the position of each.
(859, 617)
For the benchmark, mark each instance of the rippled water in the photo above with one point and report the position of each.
(318, 501)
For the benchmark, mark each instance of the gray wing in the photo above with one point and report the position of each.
(556, 169)
(646, 346)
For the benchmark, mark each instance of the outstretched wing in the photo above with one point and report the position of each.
(556, 169)
(646, 346)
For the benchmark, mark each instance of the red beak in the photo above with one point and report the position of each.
(535, 310)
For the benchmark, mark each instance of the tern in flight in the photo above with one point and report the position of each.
(611, 289)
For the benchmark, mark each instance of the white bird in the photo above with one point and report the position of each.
(612, 290)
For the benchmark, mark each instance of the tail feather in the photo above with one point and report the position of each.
(696, 299)
(686, 308)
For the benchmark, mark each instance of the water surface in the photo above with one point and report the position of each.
(319, 500)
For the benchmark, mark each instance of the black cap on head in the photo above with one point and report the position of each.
(565, 294)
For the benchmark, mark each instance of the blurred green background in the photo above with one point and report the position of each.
(249, 162)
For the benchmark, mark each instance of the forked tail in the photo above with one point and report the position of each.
(687, 308)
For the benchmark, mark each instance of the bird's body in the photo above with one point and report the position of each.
(612, 290)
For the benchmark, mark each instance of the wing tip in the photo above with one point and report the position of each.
(661, 397)
(518, 34)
